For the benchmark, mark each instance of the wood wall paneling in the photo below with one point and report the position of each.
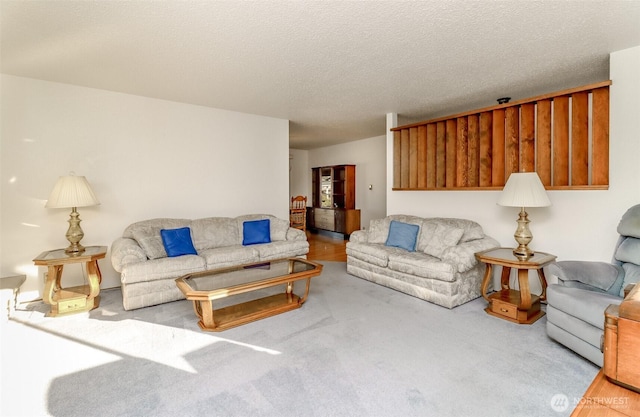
(528, 137)
(486, 149)
(413, 157)
(580, 139)
(512, 141)
(473, 151)
(497, 167)
(561, 141)
(462, 152)
(563, 136)
(422, 157)
(404, 157)
(600, 137)
(441, 149)
(451, 139)
(397, 160)
(543, 145)
(431, 155)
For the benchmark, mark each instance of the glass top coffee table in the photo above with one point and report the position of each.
(204, 287)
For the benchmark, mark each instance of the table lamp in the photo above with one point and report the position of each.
(523, 189)
(72, 192)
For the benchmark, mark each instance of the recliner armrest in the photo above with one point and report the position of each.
(596, 276)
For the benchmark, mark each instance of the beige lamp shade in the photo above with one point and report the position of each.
(72, 191)
(524, 189)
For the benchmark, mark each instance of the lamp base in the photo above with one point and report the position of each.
(74, 249)
(523, 236)
(523, 253)
(74, 234)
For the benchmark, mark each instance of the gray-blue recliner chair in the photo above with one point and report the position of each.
(576, 304)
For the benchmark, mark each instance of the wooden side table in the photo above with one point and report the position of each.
(71, 300)
(518, 306)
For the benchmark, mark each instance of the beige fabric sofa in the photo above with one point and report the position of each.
(148, 275)
(442, 269)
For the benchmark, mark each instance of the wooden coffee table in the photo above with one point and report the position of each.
(204, 287)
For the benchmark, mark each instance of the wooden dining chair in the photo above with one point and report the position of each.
(298, 212)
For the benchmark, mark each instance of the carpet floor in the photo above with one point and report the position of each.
(354, 349)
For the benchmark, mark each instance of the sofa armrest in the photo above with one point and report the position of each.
(296, 234)
(125, 251)
(359, 236)
(463, 255)
(590, 275)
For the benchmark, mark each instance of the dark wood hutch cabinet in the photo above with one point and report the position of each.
(333, 199)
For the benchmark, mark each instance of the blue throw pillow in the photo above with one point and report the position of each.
(403, 235)
(256, 231)
(177, 242)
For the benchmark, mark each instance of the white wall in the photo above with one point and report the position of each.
(369, 156)
(144, 158)
(579, 225)
(299, 174)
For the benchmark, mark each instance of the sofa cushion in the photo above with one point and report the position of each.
(162, 268)
(279, 229)
(472, 230)
(378, 230)
(256, 231)
(230, 256)
(376, 254)
(214, 232)
(150, 241)
(422, 265)
(147, 234)
(158, 223)
(177, 242)
(282, 249)
(438, 237)
(402, 235)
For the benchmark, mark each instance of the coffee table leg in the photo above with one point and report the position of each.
(289, 291)
(204, 310)
(306, 291)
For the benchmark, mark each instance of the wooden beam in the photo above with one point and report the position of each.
(561, 141)
(580, 139)
(543, 143)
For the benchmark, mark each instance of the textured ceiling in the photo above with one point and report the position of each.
(333, 68)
